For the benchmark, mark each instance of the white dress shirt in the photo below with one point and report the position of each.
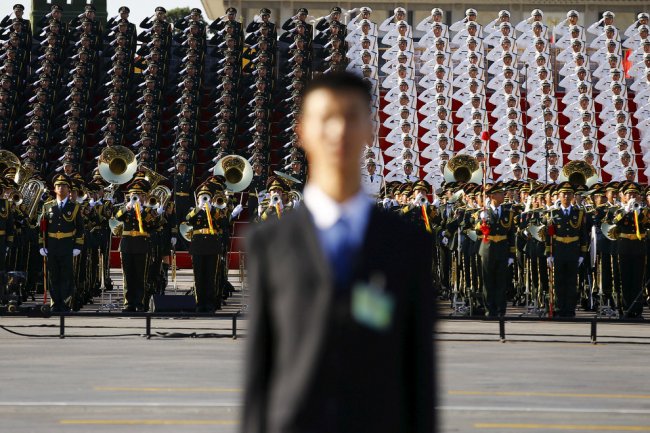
(326, 212)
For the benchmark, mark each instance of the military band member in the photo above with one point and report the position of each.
(138, 222)
(566, 248)
(631, 220)
(6, 240)
(209, 228)
(497, 227)
(275, 204)
(61, 239)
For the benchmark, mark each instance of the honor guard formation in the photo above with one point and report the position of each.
(521, 146)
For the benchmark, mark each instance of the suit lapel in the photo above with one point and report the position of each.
(311, 243)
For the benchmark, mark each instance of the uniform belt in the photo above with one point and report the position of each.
(631, 236)
(182, 194)
(566, 239)
(497, 238)
(203, 232)
(61, 235)
(135, 233)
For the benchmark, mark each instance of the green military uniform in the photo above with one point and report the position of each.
(631, 224)
(206, 249)
(6, 241)
(134, 246)
(61, 237)
(567, 246)
(497, 227)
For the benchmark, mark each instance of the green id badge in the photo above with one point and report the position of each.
(372, 306)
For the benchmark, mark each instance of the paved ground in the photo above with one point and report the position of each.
(105, 377)
(117, 384)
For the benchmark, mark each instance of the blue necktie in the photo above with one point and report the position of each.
(341, 251)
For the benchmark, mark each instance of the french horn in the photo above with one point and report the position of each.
(186, 231)
(610, 231)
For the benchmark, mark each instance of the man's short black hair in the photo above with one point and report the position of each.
(339, 82)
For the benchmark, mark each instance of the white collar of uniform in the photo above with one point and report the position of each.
(326, 211)
(61, 202)
(495, 208)
(564, 209)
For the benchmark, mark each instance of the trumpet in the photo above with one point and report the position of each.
(17, 198)
(203, 199)
(636, 206)
(421, 201)
(221, 201)
(275, 199)
(151, 202)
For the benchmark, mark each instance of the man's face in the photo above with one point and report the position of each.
(333, 129)
(497, 198)
(61, 191)
(566, 198)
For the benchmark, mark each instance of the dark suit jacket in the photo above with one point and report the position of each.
(311, 366)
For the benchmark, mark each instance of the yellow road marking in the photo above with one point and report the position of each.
(158, 389)
(550, 394)
(148, 422)
(573, 427)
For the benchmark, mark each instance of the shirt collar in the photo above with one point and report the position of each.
(326, 211)
(564, 209)
(62, 202)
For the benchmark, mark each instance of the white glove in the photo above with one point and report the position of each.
(511, 261)
(629, 207)
(160, 210)
(173, 241)
(76, 252)
(482, 215)
(237, 210)
(92, 203)
(580, 260)
(43, 252)
(129, 206)
(444, 241)
(296, 204)
(386, 202)
(549, 260)
(260, 210)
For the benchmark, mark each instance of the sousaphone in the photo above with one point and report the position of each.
(117, 164)
(463, 168)
(579, 173)
(237, 171)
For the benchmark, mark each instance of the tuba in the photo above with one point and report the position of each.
(117, 164)
(32, 191)
(237, 171)
(578, 173)
(463, 168)
(159, 196)
(152, 177)
(8, 160)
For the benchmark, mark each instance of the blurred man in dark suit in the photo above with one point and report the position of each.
(340, 336)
